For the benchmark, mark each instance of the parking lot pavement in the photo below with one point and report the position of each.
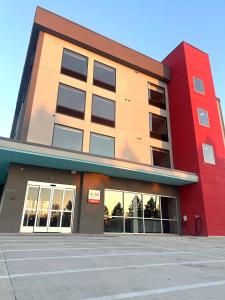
(105, 267)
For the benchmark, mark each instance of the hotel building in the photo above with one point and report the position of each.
(106, 139)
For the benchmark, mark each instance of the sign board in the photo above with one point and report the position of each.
(94, 196)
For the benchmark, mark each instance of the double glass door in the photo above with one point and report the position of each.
(48, 208)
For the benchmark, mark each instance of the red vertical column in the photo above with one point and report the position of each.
(203, 202)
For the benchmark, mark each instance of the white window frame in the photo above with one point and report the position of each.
(213, 161)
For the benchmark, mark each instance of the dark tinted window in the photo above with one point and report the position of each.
(161, 157)
(74, 64)
(158, 127)
(103, 111)
(104, 76)
(156, 96)
(71, 101)
(102, 145)
(67, 138)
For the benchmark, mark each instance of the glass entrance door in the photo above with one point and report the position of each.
(48, 208)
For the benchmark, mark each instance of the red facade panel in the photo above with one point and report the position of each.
(206, 198)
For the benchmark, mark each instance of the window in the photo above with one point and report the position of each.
(71, 101)
(158, 127)
(203, 117)
(161, 157)
(104, 76)
(103, 111)
(102, 145)
(130, 212)
(156, 96)
(113, 211)
(198, 84)
(208, 154)
(74, 65)
(67, 138)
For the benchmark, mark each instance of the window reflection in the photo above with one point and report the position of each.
(66, 219)
(68, 200)
(57, 199)
(42, 217)
(168, 206)
(134, 225)
(153, 226)
(133, 205)
(32, 197)
(139, 213)
(44, 199)
(55, 219)
(113, 203)
(29, 218)
(114, 224)
(170, 227)
(151, 206)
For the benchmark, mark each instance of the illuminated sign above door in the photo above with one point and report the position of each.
(94, 196)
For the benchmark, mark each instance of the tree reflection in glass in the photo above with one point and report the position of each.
(133, 205)
(151, 206)
(113, 211)
(113, 203)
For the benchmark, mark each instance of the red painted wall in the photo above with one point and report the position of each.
(207, 197)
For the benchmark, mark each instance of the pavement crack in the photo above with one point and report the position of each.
(7, 269)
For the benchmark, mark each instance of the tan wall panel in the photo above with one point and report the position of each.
(132, 110)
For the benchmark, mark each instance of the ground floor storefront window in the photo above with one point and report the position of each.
(130, 212)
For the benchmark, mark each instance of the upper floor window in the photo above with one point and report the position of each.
(208, 154)
(158, 127)
(71, 101)
(103, 111)
(198, 84)
(74, 65)
(102, 145)
(67, 138)
(161, 157)
(156, 96)
(104, 76)
(203, 117)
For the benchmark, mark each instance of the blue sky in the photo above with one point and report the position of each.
(151, 27)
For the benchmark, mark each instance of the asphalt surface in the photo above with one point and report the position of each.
(105, 267)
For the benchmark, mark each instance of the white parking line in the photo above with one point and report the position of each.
(92, 255)
(184, 263)
(72, 248)
(64, 243)
(160, 291)
(174, 249)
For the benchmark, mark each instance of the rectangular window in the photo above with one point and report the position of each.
(156, 96)
(74, 65)
(158, 127)
(161, 157)
(104, 76)
(208, 154)
(67, 138)
(139, 213)
(71, 101)
(103, 111)
(203, 117)
(102, 145)
(198, 84)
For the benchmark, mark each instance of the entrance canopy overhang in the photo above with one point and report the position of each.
(12, 151)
